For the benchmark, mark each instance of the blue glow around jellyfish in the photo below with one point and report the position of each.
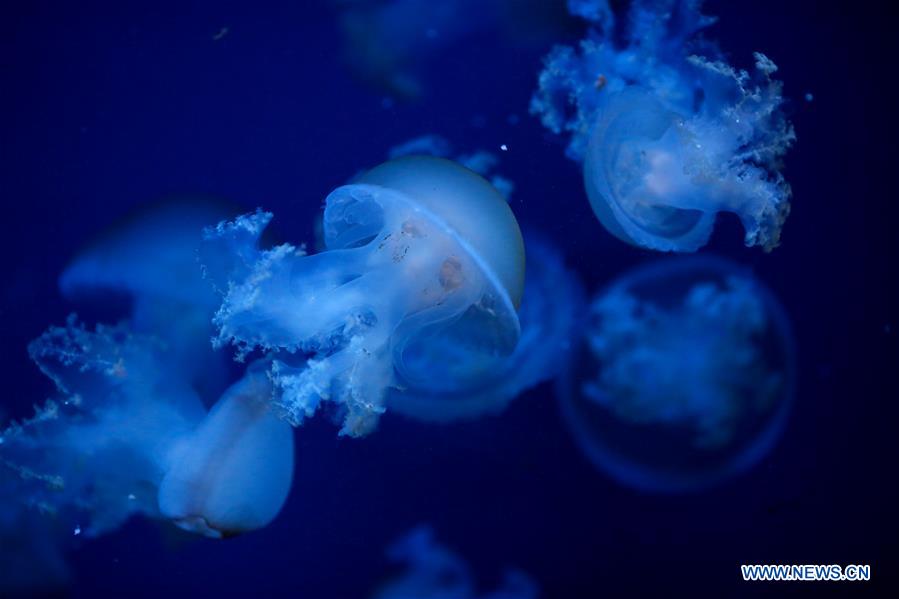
(685, 375)
(669, 134)
(436, 572)
(123, 436)
(129, 429)
(417, 287)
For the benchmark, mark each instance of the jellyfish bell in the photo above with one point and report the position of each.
(233, 473)
(657, 176)
(668, 133)
(466, 207)
(417, 285)
(476, 251)
(685, 375)
(149, 254)
(635, 176)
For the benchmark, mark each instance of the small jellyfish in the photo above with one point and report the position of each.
(125, 437)
(417, 287)
(685, 375)
(669, 135)
(550, 308)
(436, 572)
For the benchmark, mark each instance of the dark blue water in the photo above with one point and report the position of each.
(107, 108)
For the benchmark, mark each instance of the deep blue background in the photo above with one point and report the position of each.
(105, 109)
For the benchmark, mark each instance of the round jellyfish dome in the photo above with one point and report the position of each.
(469, 205)
(685, 375)
(669, 133)
(170, 231)
(636, 179)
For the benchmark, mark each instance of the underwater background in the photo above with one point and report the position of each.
(110, 108)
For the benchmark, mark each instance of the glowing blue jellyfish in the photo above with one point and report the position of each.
(124, 437)
(151, 260)
(151, 257)
(668, 133)
(435, 572)
(129, 430)
(685, 376)
(417, 287)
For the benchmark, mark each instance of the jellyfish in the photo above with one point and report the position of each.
(150, 255)
(668, 134)
(141, 421)
(149, 259)
(685, 375)
(123, 436)
(417, 287)
(436, 572)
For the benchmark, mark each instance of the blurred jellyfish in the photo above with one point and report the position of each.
(435, 572)
(387, 43)
(128, 431)
(685, 375)
(124, 437)
(668, 133)
(150, 259)
(151, 255)
(417, 287)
